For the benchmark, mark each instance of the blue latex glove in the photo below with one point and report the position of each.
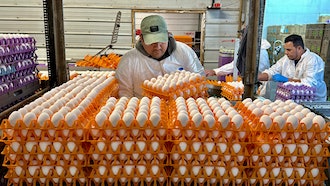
(280, 78)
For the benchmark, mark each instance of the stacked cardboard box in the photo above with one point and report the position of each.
(325, 54)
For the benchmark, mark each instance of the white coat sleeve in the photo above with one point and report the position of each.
(276, 68)
(225, 69)
(125, 82)
(264, 60)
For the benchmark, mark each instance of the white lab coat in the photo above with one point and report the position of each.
(263, 65)
(264, 58)
(134, 68)
(263, 62)
(309, 69)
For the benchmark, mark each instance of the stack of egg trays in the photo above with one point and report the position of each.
(286, 155)
(45, 154)
(230, 92)
(18, 59)
(207, 155)
(51, 154)
(195, 89)
(128, 154)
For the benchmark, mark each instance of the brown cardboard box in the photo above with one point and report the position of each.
(324, 18)
(296, 29)
(325, 50)
(314, 45)
(314, 31)
(275, 29)
(326, 34)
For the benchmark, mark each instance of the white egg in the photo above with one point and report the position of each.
(311, 115)
(197, 118)
(287, 108)
(100, 118)
(246, 100)
(252, 107)
(305, 111)
(299, 115)
(114, 118)
(14, 117)
(280, 110)
(219, 113)
(279, 120)
(267, 101)
(210, 120)
(257, 112)
(267, 110)
(308, 122)
(237, 120)
(141, 118)
(183, 118)
(128, 117)
(232, 113)
(319, 120)
(293, 120)
(29, 117)
(56, 118)
(70, 118)
(154, 118)
(266, 120)
(273, 115)
(224, 120)
(42, 118)
(73, 170)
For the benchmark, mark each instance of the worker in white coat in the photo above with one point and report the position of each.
(263, 65)
(229, 68)
(298, 65)
(155, 54)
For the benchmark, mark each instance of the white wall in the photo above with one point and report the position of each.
(88, 24)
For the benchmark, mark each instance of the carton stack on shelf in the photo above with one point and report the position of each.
(18, 62)
(279, 33)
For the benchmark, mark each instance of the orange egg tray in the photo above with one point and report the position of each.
(110, 61)
(196, 90)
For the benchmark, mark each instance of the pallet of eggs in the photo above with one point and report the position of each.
(153, 141)
(287, 143)
(45, 140)
(176, 84)
(296, 91)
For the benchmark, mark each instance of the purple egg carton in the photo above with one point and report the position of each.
(6, 87)
(295, 91)
(15, 40)
(4, 59)
(15, 49)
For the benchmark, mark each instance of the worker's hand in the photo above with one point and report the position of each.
(209, 73)
(280, 78)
